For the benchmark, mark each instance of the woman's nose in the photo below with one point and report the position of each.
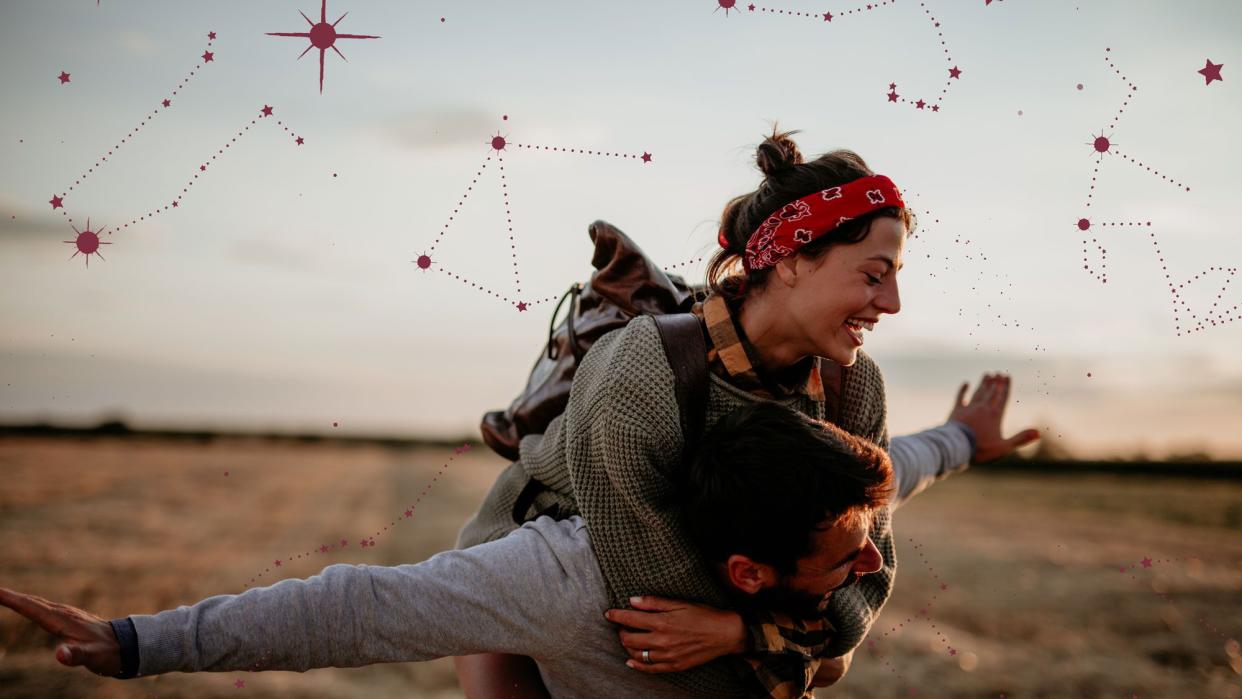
(889, 298)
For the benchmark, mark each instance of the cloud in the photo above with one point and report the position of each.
(19, 222)
(441, 127)
(137, 44)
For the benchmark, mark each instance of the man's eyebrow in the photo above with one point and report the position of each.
(857, 552)
(885, 260)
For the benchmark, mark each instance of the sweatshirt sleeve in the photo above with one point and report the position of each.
(925, 457)
(458, 602)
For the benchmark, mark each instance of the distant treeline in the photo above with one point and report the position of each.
(1049, 458)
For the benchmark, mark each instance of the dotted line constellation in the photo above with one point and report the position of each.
(955, 73)
(1147, 563)
(1103, 145)
(499, 144)
(87, 241)
(365, 542)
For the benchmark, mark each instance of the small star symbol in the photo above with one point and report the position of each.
(64, 77)
(202, 168)
(323, 549)
(646, 157)
(1210, 72)
(409, 514)
(239, 684)
(363, 543)
(211, 35)
(56, 202)
(521, 305)
(935, 107)
(344, 542)
(226, 474)
(892, 86)
(892, 97)
(267, 111)
(208, 57)
(1123, 569)
(1146, 562)
(944, 586)
(299, 140)
(955, 72)
(751, 7)
(175, 205)
(920, 104)
(827, 16)
(952, 651)
(167, 103)
(276, 563)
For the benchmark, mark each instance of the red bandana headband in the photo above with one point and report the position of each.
(803, 220)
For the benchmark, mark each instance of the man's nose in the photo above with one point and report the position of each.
(869, 561)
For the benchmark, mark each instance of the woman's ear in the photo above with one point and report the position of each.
(787, 270)
(747, 575)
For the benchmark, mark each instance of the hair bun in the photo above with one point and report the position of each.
(778, 152)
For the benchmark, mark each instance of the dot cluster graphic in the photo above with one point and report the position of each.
(87, 241)
(498, 145)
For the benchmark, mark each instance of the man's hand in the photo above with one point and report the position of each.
(831, 670)
(677, 635)
(984, 413)
(87, 639)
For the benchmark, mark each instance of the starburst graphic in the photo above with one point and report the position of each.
(87, 242)
(323, 36)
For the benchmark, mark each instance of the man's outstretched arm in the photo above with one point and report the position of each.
(457, 602)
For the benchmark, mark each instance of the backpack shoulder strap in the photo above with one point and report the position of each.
(686, 348)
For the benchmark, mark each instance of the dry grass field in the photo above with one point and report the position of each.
(1009, 584)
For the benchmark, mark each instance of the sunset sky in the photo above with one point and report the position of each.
(281, 294)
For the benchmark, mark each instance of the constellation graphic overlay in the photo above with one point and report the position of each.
(323, 36)
(498, 145)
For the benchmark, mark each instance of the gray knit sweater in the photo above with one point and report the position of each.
(609, 457)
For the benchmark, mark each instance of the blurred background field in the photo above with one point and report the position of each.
(1035, 603)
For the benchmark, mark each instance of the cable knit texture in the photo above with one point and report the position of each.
(610, 456)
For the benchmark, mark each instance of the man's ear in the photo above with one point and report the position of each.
(749, 576)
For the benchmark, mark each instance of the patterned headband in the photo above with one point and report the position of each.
(801, 221)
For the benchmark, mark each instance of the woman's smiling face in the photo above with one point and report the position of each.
(838, 297)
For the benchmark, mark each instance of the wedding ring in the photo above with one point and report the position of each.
(647, 657)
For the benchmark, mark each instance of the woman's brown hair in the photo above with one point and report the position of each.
(788, 177)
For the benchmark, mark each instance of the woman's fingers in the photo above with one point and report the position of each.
(650, 603)
(649, 621)
(639, 641)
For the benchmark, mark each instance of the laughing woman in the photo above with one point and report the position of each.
(808, 265)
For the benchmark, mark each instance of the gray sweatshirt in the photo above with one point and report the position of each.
(536, 592)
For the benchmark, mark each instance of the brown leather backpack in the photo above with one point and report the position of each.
(625, 284)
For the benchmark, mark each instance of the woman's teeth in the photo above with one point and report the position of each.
(855, 328)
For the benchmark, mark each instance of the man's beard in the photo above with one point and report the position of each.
(801, 604)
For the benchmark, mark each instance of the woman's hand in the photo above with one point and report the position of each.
(88, 640)
(831, 670)
(984, 413)
(677, 635)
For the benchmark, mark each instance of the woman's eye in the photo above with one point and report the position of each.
(873, 280)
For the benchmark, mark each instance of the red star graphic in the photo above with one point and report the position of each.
(167, 103)
(935, 107)
(646, 157)
(892, 86)
(952, 651)
(521, 305)
(64, 77)
(208, 57)
(1211, 72)
(299, 140)
(363, 543)
(211, 35)
(751, 7)
(892, 97)
(955, 72)
(56, 202)
(267, 111)
(920, 104)
(409, 514)
(276, 562)
(322, 36)
(174, 204)
(1146, 562)
(827, 16)
(943, 586)
(323, 549)
(344, 542)
(202, 168)
(239, 684)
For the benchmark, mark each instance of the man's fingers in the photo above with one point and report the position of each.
(34, 608)
(70, 655)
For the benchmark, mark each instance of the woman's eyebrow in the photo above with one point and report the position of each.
(883, 259)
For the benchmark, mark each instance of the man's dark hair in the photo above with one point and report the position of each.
(764, 477)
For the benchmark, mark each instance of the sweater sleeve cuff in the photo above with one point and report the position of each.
(970, 437)
(127, 637)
